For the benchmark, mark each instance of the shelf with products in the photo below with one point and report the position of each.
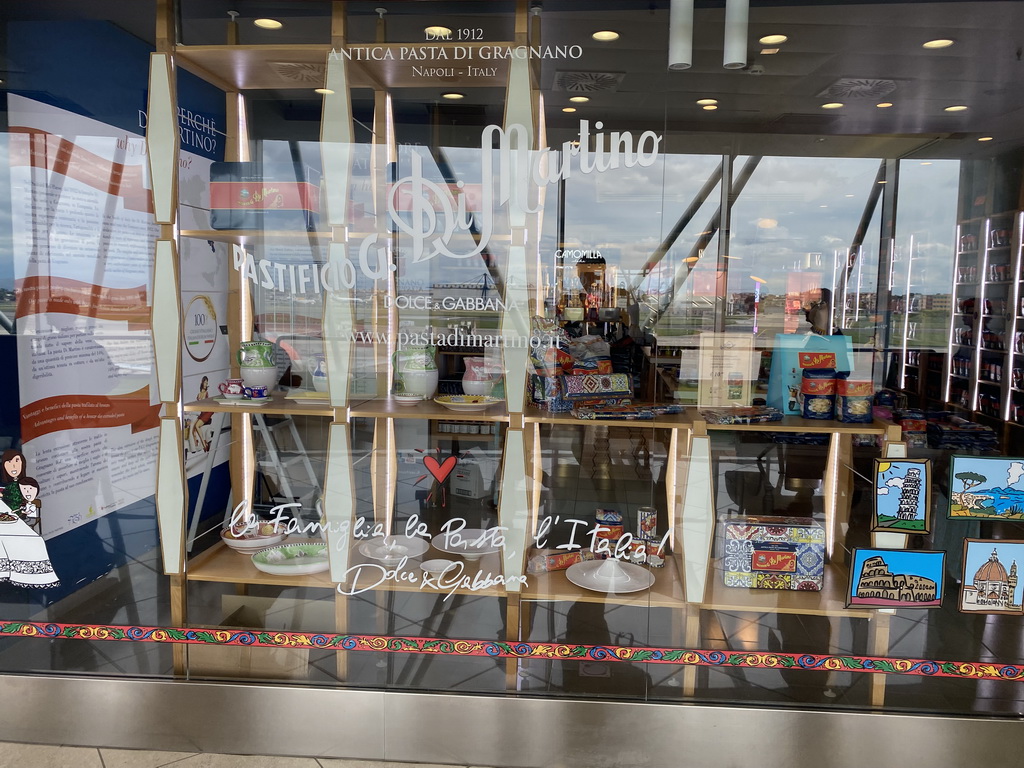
(240, 67)
(984, 325)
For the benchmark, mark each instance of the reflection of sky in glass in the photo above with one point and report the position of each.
(927, 211)
(791, 227)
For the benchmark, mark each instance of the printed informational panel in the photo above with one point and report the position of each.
(83, 240)
(726, 365)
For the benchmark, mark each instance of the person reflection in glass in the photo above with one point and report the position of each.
(819, 312)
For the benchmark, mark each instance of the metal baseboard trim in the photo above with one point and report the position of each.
(518, 732)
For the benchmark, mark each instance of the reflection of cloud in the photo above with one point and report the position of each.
(1015, 472)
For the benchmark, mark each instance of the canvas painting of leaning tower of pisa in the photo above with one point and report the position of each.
(903, 491)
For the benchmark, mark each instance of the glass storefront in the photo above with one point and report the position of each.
(634, 351)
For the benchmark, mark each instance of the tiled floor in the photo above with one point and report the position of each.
(22, 755)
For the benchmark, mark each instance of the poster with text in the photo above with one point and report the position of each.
(83, 236)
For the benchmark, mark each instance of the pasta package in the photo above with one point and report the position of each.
(853, 400)
(818, 393)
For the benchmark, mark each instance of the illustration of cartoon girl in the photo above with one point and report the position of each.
(204, 418)
(29, 511)
(12, 469)
(24, 560)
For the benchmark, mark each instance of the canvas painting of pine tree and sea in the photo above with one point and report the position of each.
(986, 487)
(902, 496)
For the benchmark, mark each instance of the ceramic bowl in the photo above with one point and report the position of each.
(483, 387)
(260, 377)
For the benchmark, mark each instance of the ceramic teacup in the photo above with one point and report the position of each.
(232, 389)
(256, 393)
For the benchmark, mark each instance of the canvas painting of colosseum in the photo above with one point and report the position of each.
(989, 580)
(902, 495)
(895, 578)
(986, 487)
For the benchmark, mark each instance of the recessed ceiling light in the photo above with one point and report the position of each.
(579, 99)
(985, 138)
(268, 23)
(568, 109)
(438, 31)
(323, 90)
(886, 182)
(847, 195)
(769, 51)
(832, 105)
(941, 43)
(707, 101)
(605, 35)
(772, 39)
(453, 95)
(928, 163)
(884, 104)
(956, 108)
(823, 206)
(709, 107)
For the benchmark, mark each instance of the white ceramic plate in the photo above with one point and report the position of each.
(250, 545)
(393, 548)
(243, 400)
(407, 400)
(436, 567)
(467, 402)
(292, 559)
(466, 543)
(610, 576)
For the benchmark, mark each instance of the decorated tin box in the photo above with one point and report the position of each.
(264, 196)
(774, 553)
(597, 385)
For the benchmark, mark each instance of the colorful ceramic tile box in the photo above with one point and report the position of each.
(774, 553)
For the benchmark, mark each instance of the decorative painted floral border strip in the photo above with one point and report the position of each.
(518, 650)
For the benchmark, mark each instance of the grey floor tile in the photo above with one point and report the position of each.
(336, 763)
(137, 758)
(245, 761)
(19, 755)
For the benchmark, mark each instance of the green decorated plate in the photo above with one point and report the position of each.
(292, 559)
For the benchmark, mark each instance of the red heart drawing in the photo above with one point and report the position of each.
(442, 470)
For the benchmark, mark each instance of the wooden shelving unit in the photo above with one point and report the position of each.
(689, 582)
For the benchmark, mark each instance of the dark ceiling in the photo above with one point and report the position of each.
(772, 106)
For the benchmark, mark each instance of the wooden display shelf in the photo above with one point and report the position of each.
(304, 66)
(244, 235)
(672, 421)
(386, 408)
(279, 405)
(830, 601)
(800, 424)
(222, 564)
(554, 586)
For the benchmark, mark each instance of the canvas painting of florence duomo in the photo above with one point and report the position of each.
(989, 579)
